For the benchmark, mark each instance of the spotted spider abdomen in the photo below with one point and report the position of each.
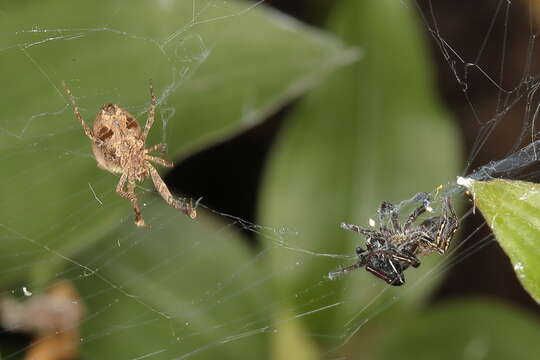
(118, 132)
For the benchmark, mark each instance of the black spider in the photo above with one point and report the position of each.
(391, 250)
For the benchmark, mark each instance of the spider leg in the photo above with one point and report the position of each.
(407, 258)
(151, 113)
(403, 256)
(360, 230)
(385, 208)
(162, 148)
(160, 161)
(345, 270)
(187, 209)
(409, 255)
(360, 263)
(413, 216)
(130, 195)
(395, 281)
(449, 225)
(78, 115)
(431, 242)
(440, 229)
(398, 271)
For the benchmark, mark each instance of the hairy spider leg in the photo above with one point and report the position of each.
(161, 148)
(399, 273)
(403, 256)
(408, 255)
(446, 226)
(130, 195)
(390, 280)
(385, 208)
(408, 259)
(449, 225)
(78, 115)
(160, 161)
(167, 196)
(413, 216)
(345, 270)
(360, 230)
(428, 239)
(151, 113)
(360, 263)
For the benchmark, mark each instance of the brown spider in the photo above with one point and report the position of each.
(118, 146)
(391, 250)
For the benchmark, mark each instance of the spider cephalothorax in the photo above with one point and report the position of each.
(390, 250)
(118, 145)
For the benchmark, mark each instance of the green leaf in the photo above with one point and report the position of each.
(374, 131)
(463, 330)
(217, 68)
(512, 211)
(183, 288)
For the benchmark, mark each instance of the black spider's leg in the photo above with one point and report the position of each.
(449, 225)
(378, 263)
(345, 270)
(385, 209)
(360, 230)
(407, 258)
(395, 221)
(380, 274)
(361, 263)
(398, 270)
(408, 251)
(428, 239)
(413, 216)
(395, 281)
(438, 231)
(403, 256)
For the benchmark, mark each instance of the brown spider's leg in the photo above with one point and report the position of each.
(78, 115)
(360, 230)
(130, 195)
(159, 161)
(162, 148)
(167, 196)
(414, 215)
(151, 114)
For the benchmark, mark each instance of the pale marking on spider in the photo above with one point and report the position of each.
(118, 144)
(390, 250)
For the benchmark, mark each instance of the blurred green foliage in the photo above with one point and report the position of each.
(474, 329)
(213, 78)
(192, 289)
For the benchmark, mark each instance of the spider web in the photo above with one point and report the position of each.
(208, 321)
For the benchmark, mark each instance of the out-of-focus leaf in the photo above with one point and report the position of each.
(373, 132)
(183, 288)
(512, 211)
(217, 67)
(463, 330)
